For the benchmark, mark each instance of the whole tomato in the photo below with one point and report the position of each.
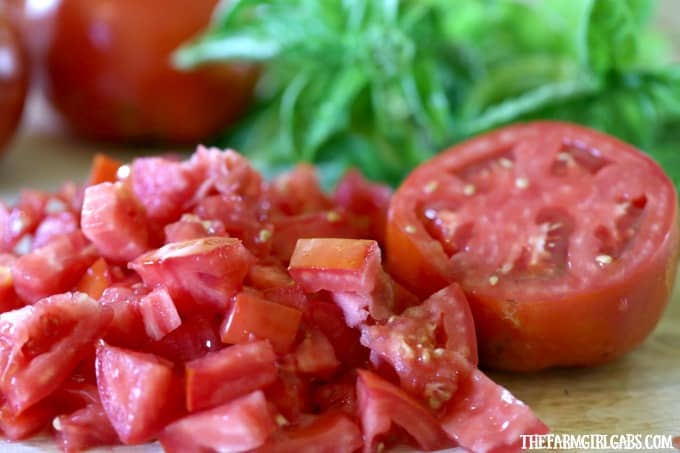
(109, 72)
(13, 80)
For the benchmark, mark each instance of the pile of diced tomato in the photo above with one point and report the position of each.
(196, 303)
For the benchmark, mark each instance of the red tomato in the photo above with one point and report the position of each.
(254, 317)
(298, 192)
(13, 81)
(382, 403)
(486, 417)
(197, 336)
(137, 392)
(240, 425)
(350, 269)
(158, 313)
(204, 272)
(564, 239)
(54, 225)
(110, 74)
(96, 279)
(315, 354)
(221, 376)
(83, 429)
(127, 327)
(104, 169)
(326, 433)
(430, 346)
(114, 221)
(41, 344)
(190, 226)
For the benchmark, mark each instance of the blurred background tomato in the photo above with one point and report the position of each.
(13, 79)
(108, 72)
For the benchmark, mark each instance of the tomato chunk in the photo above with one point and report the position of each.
(54, 225)
(190, 226)
(114, 221)
(159, 313)
(221, 376)
(83, 429)
(41, 344)
(164, 187)
(96, 279)
(206, 271)
(52, 269)
(136, 391)
(382, 403)
(331, 432)
(194, 338)
(430, 346)
(315, 354)
(254, 317)
(484, 416)
(104, 169)
(240, 425)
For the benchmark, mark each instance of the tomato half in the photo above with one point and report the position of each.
(109, 72)
(564, 239)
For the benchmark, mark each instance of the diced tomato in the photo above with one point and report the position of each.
(381, 404)
(264, 275)
(52, 269)
(328, 317)
(240, 425)
(8, 297)
(221, 376)
(348, 268)
(241, 218)
(114, 221)
(335, 223)
(96, 279)
(164, 187)
(190, 226)
(54, 225)
(430, 346)
(207, 271)
(292, 296)
(366, 199)
(19, 426)
(21, 219)
(298, 192)
(83, 429)
(127, 327)
(159, 313)
(337, 394)
(290, 393)
(483, 416)
(332, 432)
(225, 172)
(136, 391)
(336, 265)
(104, 169)
(254, 317)
(315, 354)
(41, 344)
(197, 336)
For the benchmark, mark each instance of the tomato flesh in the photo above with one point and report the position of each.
(254, 317)
(240, 425)
(221, 376)
(554, 232)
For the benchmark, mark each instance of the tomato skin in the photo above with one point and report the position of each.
(118, 83)
(83, 429)
(571, 309)
(13, 83)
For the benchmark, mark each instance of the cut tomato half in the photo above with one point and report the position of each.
(564, 239)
